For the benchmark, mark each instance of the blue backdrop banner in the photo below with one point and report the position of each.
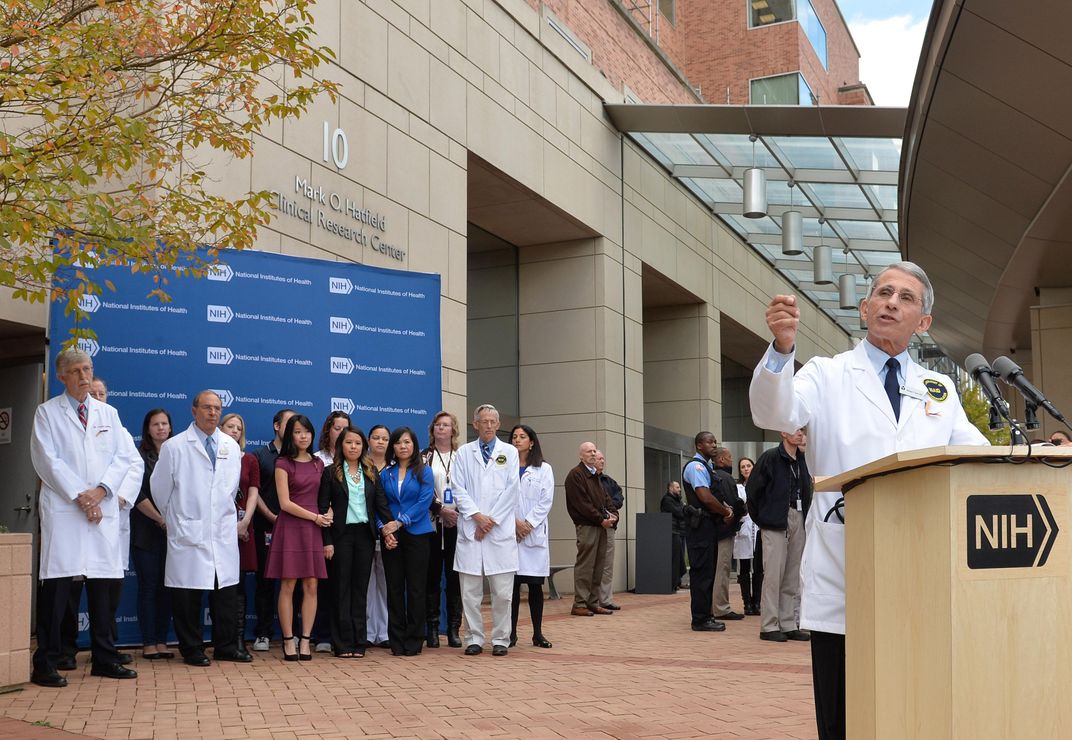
(265, 331)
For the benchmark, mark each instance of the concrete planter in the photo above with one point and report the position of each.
(16, 558)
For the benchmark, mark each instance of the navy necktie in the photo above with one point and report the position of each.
(893, 389)
(485, 450)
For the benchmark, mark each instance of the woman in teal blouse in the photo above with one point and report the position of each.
(351, 489)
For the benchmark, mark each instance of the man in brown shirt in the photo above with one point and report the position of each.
(589, 507)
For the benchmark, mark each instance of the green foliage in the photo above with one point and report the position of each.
(109, 112)
(978, 411)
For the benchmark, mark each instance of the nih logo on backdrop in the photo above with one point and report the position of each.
(220, 273)
(345, 405)
(226, 397)
(89, 303)
(220, 356)
(220, 314)
(342, 365)
(341, 325)
(89, 346)
(343, 286)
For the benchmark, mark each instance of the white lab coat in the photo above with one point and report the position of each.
(69, 460)
(744, 542)
(491, 490)
(198, 505)
(535, 496)
(849, 420)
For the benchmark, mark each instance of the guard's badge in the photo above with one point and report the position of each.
(936, 389)
(500, 460)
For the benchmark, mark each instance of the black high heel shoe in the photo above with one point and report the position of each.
(289, 641)
(540, 641)
(309, 644)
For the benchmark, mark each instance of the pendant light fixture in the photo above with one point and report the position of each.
(822, 260)
(792, 228)
(755, 187)
(847, 291)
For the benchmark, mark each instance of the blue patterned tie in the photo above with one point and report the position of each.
(893, 389)
(210, 448)
(485, 450)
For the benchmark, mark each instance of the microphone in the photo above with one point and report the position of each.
(980, 371)
(1013, 375)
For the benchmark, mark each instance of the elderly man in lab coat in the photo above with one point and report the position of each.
(486, 485)
(194, 485)
(857, 407)
(82, 455)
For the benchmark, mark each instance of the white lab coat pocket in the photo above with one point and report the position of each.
(187, 533)
(823, 575)
(537, 537)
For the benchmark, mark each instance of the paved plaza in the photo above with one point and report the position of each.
(639, 673)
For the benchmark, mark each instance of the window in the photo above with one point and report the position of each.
(563, 31)
(790, 89)
(666, 7)
(766, 12)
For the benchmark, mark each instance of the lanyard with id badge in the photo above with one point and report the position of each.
(448, 495)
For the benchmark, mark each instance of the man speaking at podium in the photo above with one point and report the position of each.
(858, 406)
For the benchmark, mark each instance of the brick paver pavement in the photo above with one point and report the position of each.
(641, 673)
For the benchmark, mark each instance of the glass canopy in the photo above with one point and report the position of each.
(844, 185)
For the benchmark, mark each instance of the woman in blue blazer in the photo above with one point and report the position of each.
(409, 487)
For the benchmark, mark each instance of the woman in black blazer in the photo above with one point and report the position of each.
(351, 489)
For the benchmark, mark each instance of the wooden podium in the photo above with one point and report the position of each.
(958, 569)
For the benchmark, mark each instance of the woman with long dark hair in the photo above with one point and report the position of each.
(350, 488)
(443, 446)
(534, 500)
(297, 549)
(409, 488)
(148, 544)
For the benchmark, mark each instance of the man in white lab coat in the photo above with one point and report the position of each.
(485, 484)
(82, 455)
(194, 485)
(857, 407)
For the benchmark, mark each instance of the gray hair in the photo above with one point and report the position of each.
(71, 356)
(482, 408)
(915, 271)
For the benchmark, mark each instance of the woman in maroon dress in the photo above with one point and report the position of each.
(297, 549)
(249, 484)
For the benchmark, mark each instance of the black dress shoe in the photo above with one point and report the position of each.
(731, 616)
(541, 642)
(125, 658)
(238, 656)
(453, 639)
(431, 639)
(499, 650)
(51, 680)
(513, 640)
(612, 606)
(197, 659)
(474, 650)
(386, 644)
(709, 626)
(799, 635)
(773, 636)
(112, 670)
(66, 663)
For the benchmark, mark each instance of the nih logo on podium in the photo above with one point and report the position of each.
(1009, 531)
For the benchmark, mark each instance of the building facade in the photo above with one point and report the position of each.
(584, 291)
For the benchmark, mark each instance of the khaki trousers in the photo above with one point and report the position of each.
(588, 570)
(720, 594)
(781, 575)
(606, 585)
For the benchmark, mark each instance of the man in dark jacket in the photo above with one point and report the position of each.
(617, 503)
(779, 495)
(589, 507)
(724, 488)
(674, 505)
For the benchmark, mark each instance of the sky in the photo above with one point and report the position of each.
(889, 34)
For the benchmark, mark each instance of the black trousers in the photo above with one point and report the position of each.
(535, 584)
(53, 604)
(264, 597)
(677, 554)
(349, 570)
(69, 624)
(406, 571)
(703, 549)
(441, 557)
(757, 571)
(828, 680)
(186, 610)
